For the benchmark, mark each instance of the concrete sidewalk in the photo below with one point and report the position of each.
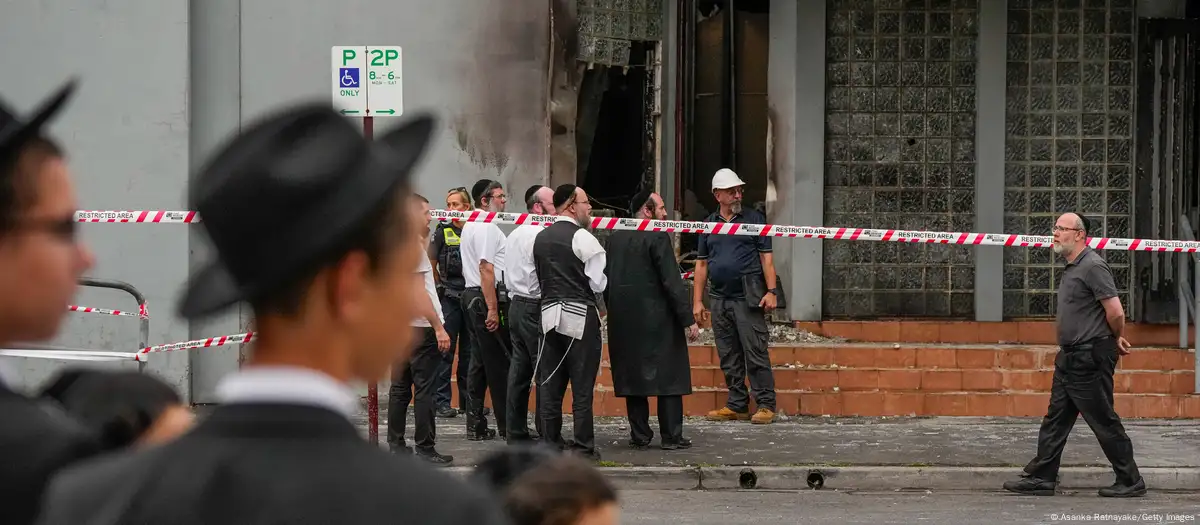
(863, 453)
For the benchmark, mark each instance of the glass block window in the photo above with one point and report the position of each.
(900, 153)
(1069, 144)
(606, 28)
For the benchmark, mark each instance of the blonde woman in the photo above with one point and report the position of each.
(445, 256)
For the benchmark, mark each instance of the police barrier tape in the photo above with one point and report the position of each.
(104, 311)
(764, 230)
(71, 355)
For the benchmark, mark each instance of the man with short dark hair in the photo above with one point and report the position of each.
(483, 266)
(41, 260)
(649, 323)
(1091, 321)
(524, 314)
(570, 266)
(312, 229)
(420, 372)
(740, 272)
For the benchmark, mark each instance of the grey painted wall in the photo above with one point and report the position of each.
(126, 133)
(165, 80)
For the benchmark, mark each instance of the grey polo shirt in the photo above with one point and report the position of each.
(1085, 282)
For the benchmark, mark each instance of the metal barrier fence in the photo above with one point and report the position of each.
(50, 352)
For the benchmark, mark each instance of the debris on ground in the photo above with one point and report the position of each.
(781, 334)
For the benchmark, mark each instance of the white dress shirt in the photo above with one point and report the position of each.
(568, 317)
(288, 385)
(481, 241)
(426, 270)
(520, 273)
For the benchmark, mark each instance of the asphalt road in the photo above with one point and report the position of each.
(824, 507)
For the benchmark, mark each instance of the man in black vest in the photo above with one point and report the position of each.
(311, 227)
(41, 260)
(570, 268)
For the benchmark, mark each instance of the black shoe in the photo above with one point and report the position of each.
(684, 443)
(435, 458)
(639, 445)
(1117, 490)
(486, 435)
(1031, 486)
(487, 411)
(401, 450)
(447, 412)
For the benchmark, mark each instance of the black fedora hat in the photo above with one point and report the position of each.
(15, 131)
(282, 195)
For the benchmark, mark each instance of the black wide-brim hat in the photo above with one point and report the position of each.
(282, 196)
(16, 131)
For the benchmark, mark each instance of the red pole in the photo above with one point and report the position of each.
(372, 387)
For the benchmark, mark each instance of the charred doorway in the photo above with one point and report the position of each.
(724, 102)
(616, 132)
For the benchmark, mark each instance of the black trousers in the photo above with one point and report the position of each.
(460, 339)
(1083, 384)
(420, 375)
(741, 334)
(524, 318)
(580, 360)
(489, 365)
(670, 419)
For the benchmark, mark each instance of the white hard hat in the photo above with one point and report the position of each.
(725, 178)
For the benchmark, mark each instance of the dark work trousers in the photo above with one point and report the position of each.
(670, 419)
(460, 339)
(525, 327)
(741, 334)
(579, 367)
(420, 375)
(489, 365)
(1083, 384)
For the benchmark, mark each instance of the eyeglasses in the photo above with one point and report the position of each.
(1058, 228)
(66, 229)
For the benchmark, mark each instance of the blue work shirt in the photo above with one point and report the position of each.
(730, 257)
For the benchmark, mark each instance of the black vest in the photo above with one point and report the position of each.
(560, 273)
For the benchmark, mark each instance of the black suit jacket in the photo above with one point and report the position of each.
(252, 464)
(36, 440)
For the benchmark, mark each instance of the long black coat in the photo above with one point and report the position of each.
(264, 464)
(648, 310)
(36, 440)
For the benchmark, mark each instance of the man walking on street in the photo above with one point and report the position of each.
(421, 370)
(740, 272)
(649, 323)
(570, 268)
(524, 314)
(1090, 321)
(483, 267)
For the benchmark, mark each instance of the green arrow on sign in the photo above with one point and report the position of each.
(349, 111)
(387, 111)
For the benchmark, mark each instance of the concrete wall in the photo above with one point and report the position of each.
(166, 80)
(126, 133)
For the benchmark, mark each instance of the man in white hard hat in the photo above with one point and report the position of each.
(742, 290)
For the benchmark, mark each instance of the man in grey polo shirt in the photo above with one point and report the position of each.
(1090, 323)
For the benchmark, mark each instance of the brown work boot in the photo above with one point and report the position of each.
(763, 416)
(725, 414)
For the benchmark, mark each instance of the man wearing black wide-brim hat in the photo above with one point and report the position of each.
(310, 225)
(41, 261)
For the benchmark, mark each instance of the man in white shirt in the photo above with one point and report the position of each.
(570, 267)
(524, 314)
(482, 248)
(420, 372)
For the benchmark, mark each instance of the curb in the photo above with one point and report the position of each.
(872, 478)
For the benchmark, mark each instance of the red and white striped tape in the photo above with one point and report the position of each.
(765, 230)
(104, 311)
(200, 343)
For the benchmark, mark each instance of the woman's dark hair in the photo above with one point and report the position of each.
(118, 406)
(540, 486)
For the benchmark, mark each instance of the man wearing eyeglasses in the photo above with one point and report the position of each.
(1091, 322)
(41, 261)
